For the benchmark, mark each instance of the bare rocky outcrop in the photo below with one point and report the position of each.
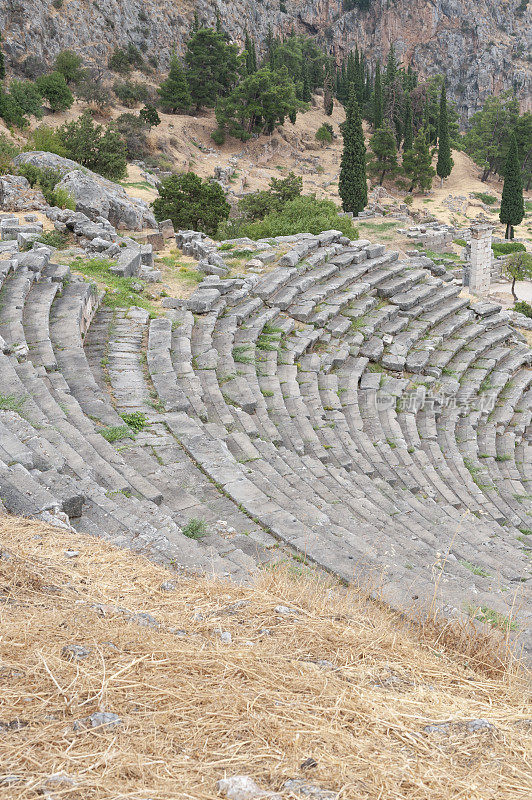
(481, 45)
(94, 196)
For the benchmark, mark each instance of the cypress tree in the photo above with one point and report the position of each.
(391, 67)
(306, 91)
(251, 67)
(328, 102)
(512, 203)
(174, 91)
(352, 186)
(351, 73)
(408, 130)
(270, 47)
(2, 62)
(377, 99)
(445, 162)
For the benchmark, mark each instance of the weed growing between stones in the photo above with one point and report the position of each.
(195, 528)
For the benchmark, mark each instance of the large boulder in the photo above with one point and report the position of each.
(17, 195)
(94, 196)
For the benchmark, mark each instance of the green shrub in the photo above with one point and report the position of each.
(256, 205)
(69, 65)
(522, 307)
(304, 214)
(119, 61)
(27, 96)
(218, 136)
(133, 131)
(54, 88)
(408, 200)
(195, 528)
(505, 248)
(130, 93)
(8, 151)
(488, 199)
(324, 134)
(54, 239)
(63, 199)
(149, 115)
(47, 139)
(191, 203)
(30, 172)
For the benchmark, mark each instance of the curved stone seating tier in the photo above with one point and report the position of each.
(347, 406)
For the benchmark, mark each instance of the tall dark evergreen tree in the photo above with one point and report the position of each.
(391, 67)
(306, 90)
(350, 72)
(352, 186)
(445, 162)
(251, 57)
(408, 129)
(512, 204)
(328, 87)
(2, 62)
(377, 99)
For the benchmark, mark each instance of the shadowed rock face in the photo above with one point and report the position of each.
(95, 196)
(480, 44)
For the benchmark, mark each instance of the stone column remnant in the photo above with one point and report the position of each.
(480, 273)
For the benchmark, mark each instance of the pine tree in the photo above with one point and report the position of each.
(377, 99)
(212, 66)
(195, 22)
(383, 155)
(408, 130)
(352, 186)
(417, 163)
(445, 162)
(174, 91)
(512, 203)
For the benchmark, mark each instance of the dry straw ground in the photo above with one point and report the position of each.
(338, 679)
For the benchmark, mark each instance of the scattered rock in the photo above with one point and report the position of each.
(99, 719)
(75, 652)
(242, 787)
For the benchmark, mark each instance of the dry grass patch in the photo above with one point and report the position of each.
(336, 678)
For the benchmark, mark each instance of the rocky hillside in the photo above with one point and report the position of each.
(482, 45)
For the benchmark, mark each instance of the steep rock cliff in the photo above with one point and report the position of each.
(482, 45)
